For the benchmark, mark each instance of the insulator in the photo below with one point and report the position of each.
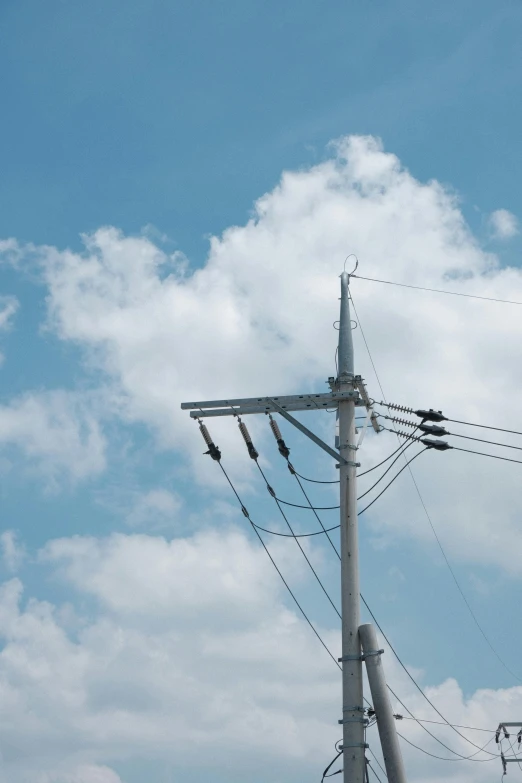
(274, 426)
(405, 422)
(281, 445)
(244, 432)
(401, 408)
(252, 451)
(206, 434)
(212, 448)
(406, 435)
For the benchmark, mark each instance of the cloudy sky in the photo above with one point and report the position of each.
(181, 183)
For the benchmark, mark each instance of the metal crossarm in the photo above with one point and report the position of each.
(246, 405)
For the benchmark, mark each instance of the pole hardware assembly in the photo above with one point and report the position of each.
(347, 392)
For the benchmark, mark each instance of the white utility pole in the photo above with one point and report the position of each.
(347, 392)
(353, 708)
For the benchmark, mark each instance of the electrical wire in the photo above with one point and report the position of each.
(393, 479)
(331, 508)
(318, 578)
(484, 454)
(410, 443)
(318, 508)
(374, 772)
(330, 765)
(412, 717)
(359, 475)
(428, 517)
(481, 440)
(484, 426)
(378, 763)
(246, 514)
(442, 758)
(438, 723)
(437, 290)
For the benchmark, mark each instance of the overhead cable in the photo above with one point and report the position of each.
(443, 758)
(432, 526)
(247, 515)
(316, 575)
(437, 290)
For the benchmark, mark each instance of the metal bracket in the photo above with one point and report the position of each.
(354, 720)
(361, 657)
(350, 464)
(355, 745)
(309, 434)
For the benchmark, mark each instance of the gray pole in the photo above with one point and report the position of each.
(381, 704)
(353, 710)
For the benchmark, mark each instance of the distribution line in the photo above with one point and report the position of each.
(246, 514)
(437, 290)
(393, 649)
(318, 578)
(448, 564)
(442, 758)
(320, 508)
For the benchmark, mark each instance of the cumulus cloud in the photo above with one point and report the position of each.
(134, 684)
(257, 319)
(503, 223)
(190, 643)
(8, 307)
(13, 552)
(56, 432)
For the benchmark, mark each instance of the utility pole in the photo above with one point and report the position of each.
(347, 392)
(353, 720)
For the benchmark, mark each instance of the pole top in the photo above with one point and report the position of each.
(346, 371)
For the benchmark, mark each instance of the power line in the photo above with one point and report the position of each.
(410, 443)
(484, 426)
(442, 758)
(393, 479)
(428, 517)
(434, 533)
(484, 454)
(378, 763)
(246, 514)
(319, 508)
(437, 290)
(438, 723)
(336, 481)
(374, 772)
(321, 585)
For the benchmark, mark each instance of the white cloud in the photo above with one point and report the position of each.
(56, 432)
(8, 307)
(13, 552)
(167, 660)
(257, 319)
(503, 223)
(154, 508)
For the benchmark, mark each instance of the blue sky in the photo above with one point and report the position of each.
(168, 121)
